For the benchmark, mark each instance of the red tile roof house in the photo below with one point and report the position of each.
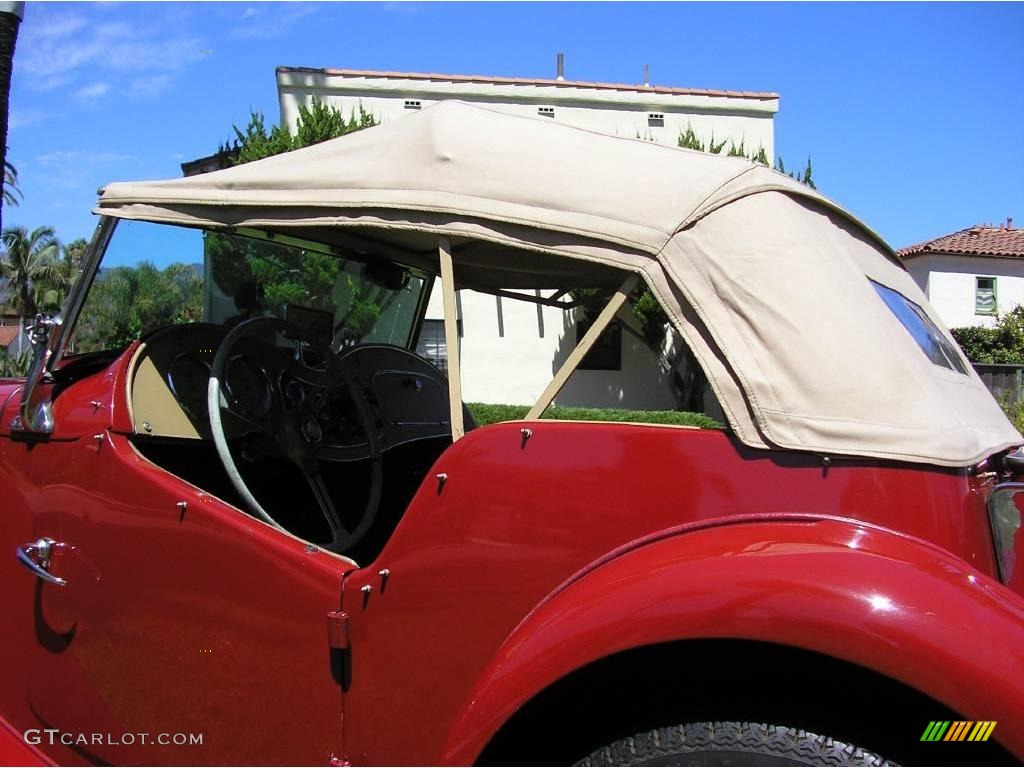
(973, 275)
(13, 341)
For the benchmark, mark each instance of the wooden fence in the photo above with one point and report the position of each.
(1005, 382)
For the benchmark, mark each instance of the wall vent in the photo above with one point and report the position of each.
(656, 119)
(413, 104)
(546, 111)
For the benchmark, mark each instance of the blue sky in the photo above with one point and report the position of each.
(913, 113)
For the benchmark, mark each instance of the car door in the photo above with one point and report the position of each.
(185, 632)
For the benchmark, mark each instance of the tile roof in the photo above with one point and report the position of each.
(661, 89)
(8, 334)
(979, 240)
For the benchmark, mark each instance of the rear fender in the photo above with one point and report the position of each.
(18, 748)
(898, 605)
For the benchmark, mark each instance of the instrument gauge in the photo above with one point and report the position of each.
(187, 378)
(248, 385)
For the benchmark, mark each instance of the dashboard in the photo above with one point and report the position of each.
(170, 372)
(168, 380)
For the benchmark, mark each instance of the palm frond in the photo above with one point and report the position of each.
(12, 237)
(11, 191)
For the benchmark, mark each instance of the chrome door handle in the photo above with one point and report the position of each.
(36, 557)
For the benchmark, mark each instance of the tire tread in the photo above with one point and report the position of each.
(755, 738)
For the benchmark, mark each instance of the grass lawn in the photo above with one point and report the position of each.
(489, 413)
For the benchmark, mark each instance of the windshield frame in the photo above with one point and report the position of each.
(103, 236)
(76, 298)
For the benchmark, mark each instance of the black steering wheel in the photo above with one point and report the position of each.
(298, 421)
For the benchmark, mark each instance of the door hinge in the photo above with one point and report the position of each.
(337, 630)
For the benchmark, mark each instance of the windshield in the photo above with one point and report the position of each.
(153, 275)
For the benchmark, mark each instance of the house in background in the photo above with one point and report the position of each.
(218, 161)
(511, 348)
(13, 341)
(654, 112)
(971, 276)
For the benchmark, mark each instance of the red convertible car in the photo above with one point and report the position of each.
(245, 523)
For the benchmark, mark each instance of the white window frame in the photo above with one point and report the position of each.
(978, 310)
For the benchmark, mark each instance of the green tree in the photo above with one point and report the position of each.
(740, 151)
(285, 275)
(803, 178)
(54, 288)
(128, 302)
(15, 364)
(688, 139)
(296, 277)
(320, 122)
(1003, 343)
(256, 142)
(29, 267)
(73, 256)
(316, 123)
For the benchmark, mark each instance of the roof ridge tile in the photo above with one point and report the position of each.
(976, 240)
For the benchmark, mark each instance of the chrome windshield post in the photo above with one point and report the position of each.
(48, 335)
(36, 413)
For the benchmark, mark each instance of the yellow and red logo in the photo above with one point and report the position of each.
(959, 730)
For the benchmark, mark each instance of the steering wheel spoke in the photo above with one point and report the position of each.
(296, 425)
(324, 501)
(265, 426)
(344, 453)
(291, 364)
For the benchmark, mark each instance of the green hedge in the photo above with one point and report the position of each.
(488, 413)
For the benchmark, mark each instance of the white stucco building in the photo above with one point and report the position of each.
(973, 275)
(655, 112)
(511, 348)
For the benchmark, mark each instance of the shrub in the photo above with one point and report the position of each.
(14, 365)
(1015, 413)
(488, 413)
(1002, 344)
(317, 122)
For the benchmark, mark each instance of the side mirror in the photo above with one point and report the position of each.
(36, 413)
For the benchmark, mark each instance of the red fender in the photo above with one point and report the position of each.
(15, 750)
(866, 595)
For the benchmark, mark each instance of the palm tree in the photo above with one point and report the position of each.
(11, 191)
(10, 19)
(52, 288)
(29, 268)
(73, 260)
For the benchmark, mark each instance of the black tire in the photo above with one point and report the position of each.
(730, 744)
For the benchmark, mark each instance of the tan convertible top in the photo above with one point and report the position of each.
(767, 280)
